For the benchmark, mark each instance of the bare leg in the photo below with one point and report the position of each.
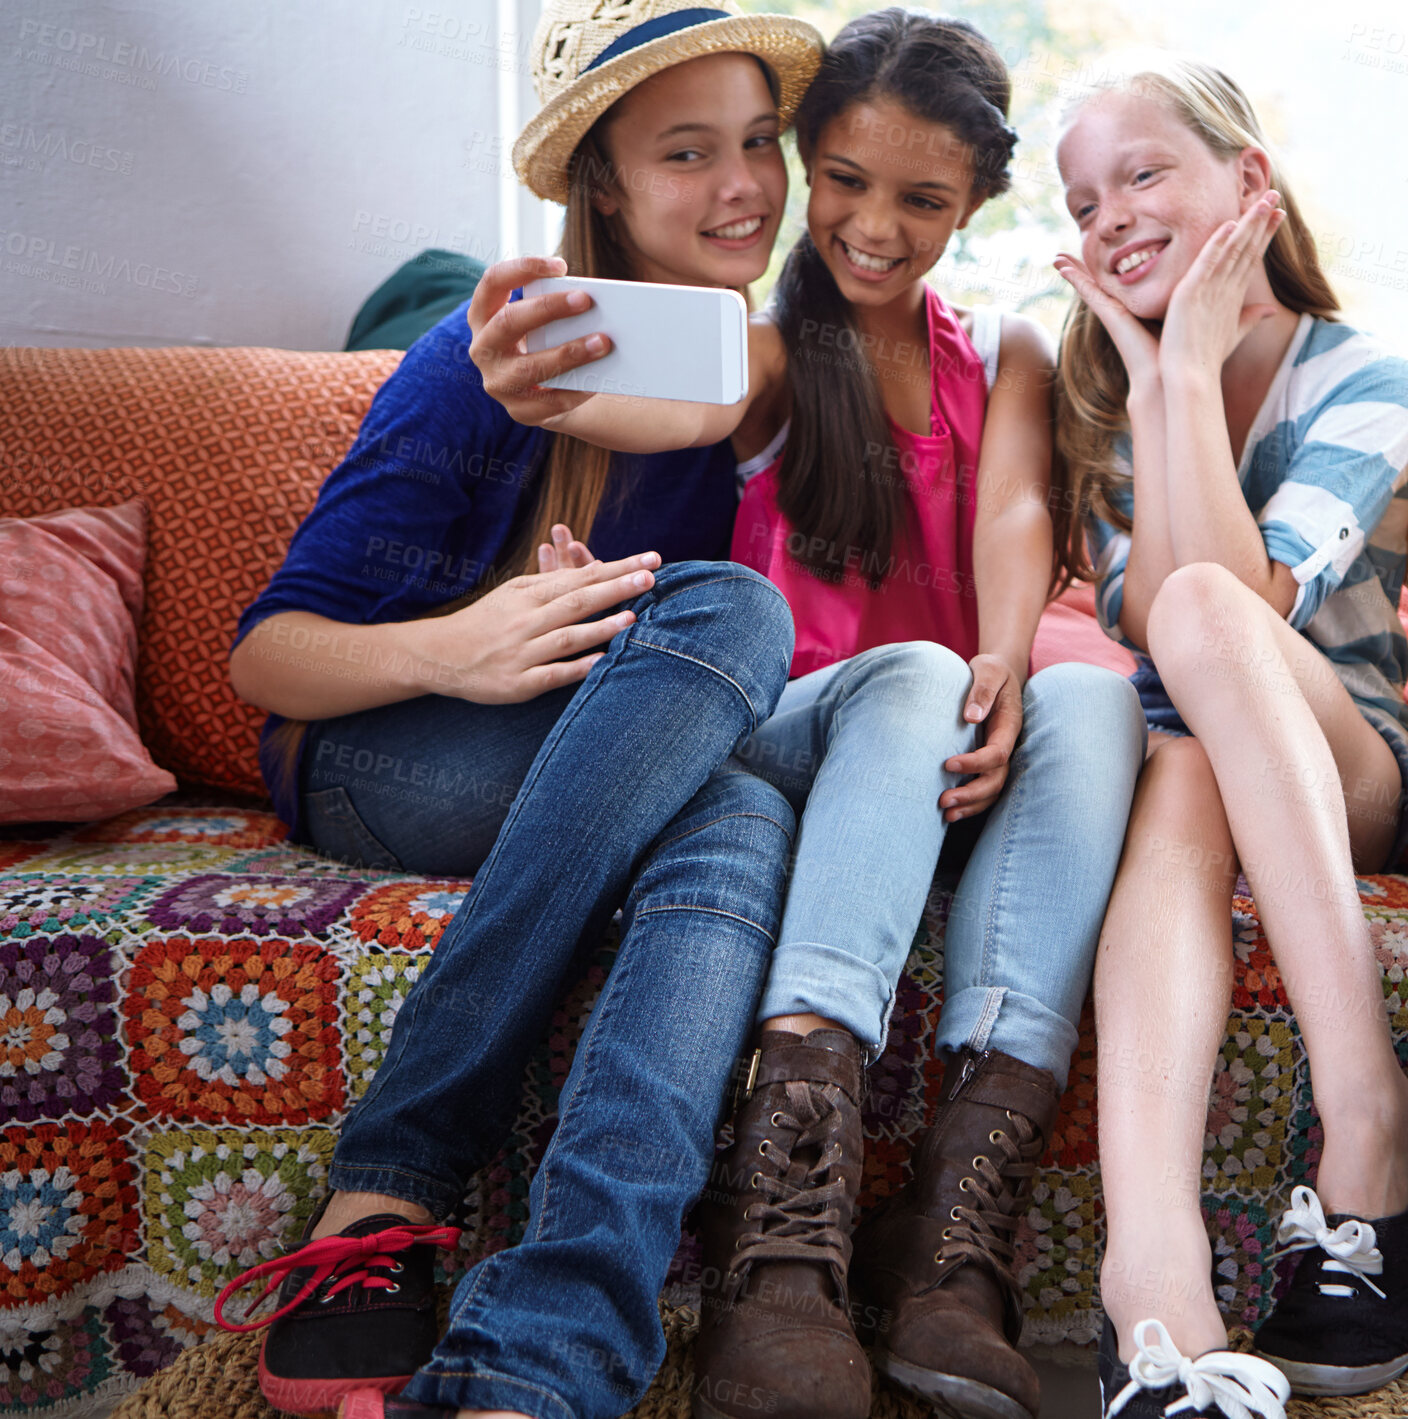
(801, 1024)
(1280, 732)
(1162, 987)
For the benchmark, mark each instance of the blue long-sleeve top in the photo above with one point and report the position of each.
(439, 481)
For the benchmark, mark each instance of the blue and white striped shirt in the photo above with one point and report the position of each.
(1324, 471)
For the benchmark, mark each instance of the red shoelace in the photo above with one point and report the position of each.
(352, 1260)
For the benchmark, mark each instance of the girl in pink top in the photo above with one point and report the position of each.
(928, 591)
(894, 486)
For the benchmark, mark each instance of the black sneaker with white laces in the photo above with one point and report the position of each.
(1342, 1327)
(1161, 1380)
(356, 1311)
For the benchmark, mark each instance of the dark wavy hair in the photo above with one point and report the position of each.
(942, 71)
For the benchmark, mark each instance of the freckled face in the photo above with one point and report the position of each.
(701, 182)
(1146, 194)
(888, 190)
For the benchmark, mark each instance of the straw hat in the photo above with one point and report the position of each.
(587, 53)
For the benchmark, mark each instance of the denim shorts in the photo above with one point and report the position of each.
(1159, 713)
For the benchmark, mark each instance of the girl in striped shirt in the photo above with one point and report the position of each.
(1239, 454)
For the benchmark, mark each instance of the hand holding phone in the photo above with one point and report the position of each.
(498, 327)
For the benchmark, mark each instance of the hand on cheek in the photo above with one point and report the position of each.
(1208, 313)
(1137, 347)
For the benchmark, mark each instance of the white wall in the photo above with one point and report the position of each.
(247, 173)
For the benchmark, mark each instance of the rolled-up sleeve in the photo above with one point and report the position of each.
(1348, 463)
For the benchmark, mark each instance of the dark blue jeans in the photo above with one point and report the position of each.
(621, 794)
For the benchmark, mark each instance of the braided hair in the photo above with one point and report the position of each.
(942, 71)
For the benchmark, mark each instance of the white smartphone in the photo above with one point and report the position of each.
(667, 342)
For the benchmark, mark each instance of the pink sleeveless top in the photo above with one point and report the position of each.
(928, 591)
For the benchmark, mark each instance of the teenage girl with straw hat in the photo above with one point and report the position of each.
(600, 696)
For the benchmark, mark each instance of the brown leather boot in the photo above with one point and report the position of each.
(775, 1333)
(934, 1261)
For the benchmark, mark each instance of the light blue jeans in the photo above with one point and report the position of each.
(858, 749)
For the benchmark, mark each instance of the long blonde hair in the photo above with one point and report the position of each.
(1092, 385)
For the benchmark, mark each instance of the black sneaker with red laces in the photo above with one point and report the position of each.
(356, 1311)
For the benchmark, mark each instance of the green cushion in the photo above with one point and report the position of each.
(413, 298)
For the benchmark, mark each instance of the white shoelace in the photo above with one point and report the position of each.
(1352, 1246)
(1241, 1386)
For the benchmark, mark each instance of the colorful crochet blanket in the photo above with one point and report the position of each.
(188, 1006)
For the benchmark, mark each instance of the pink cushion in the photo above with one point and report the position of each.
(1068, 630)
(227, 448)
(70, 601)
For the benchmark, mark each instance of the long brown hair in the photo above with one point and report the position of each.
(575, 475)
(941, 71)
(1092, 384)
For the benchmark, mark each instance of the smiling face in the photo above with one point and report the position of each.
(888, 190)
(700, 181)
(1147, 193)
